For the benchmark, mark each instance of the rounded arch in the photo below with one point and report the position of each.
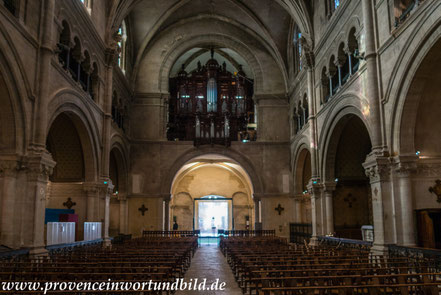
(120, 153)
(335, 122)
(302, 169)
(417, 54)
(346, 147)
(170, 48)
(70, 103)
(167, 180)
(18, 87)
(209, 40)
(12, 117)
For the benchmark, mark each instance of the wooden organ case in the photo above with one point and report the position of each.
(211, 105)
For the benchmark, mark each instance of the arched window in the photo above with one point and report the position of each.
(353, 52)
(295, 121)
(333, 75)
(88, 5)
(122, 45)
(64, 46)
(305, 108)
(300, 116)
(297, 58)
(343, 64)
(325, 86)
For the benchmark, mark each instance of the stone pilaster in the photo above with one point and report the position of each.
(298, 208)
(92, 190)
(328, 196)
(123, 213)
(308, 56)
(314, 189)
(166, 216)
(405, 167)
(8, 196)
(372, 89)
(38, 169)
(111, 54)
(378, 169)
(106, 191)
(46, 52)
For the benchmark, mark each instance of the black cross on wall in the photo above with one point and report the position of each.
(279, 209)
(350, 199)
(143, 209)
(69, 204)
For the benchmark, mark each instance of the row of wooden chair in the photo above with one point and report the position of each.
(159, 259)
(271, 266)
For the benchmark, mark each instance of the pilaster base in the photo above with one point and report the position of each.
(38, 251)
(313, 241)
(378, 249)
(107, 243)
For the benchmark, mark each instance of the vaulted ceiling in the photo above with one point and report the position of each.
(266, 22)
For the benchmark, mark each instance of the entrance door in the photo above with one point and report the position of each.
(213, 213)
(429, 228)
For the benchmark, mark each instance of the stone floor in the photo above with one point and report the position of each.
(209, 263)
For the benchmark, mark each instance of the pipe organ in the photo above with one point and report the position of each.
(211, 105)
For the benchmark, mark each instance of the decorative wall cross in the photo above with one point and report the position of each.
(69, 204)
(436, 189)
(279, 209)
(143, 209)
(350, 199)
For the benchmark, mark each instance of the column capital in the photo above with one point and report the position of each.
(91, 187)
(9, 167)
(340, 61)
(377, 168)
(329, 186)
(39, 166)
(121, 197)
(314, 187)
(107, 186)
(405, 166)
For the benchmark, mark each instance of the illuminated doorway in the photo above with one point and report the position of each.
(213, 213)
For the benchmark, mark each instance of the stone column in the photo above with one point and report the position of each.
(328, 193)
(331, 89)
(107, 190)
(46, 52)
(314, 192)
(256, 210)
(348, 53)
(92, 193)
(107, 107)
(339, 64)
(372, 89)
(39, 167)
(298, 209)
(405, 167)
(123, 214)
(378, 170)
(166, 201)
(8, 197)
